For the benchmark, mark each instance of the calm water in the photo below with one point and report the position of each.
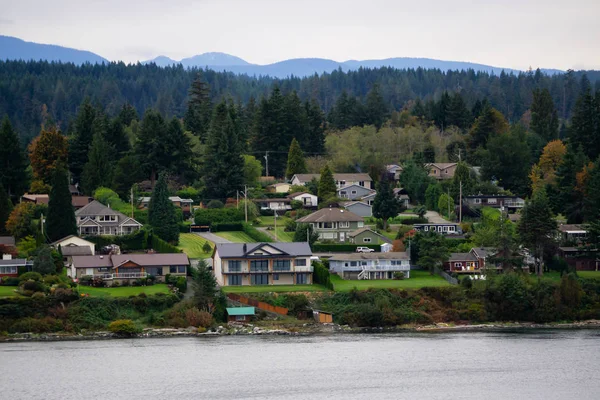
(534, 365)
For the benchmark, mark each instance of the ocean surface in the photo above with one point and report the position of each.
(537, 364)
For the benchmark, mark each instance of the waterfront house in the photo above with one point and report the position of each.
(9, 266)
(76, 201)
(341, 180)
(240, 314)
(394, 171)
(447, 228)
(184, 204)
(237, 264)
(127, 267)
(97, 219)
(580, 258)
(7, 245)
(462, 263)
(572, 233)
(333, 223)
(283, 204)
(74, 246)
(367, 236)
(370, 265)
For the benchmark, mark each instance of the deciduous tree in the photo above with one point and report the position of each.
(46, 153)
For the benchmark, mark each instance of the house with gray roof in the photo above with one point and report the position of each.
(341, 180)
(462, 263)
(248, 264)
(359, 208)
(367, 236)
(354, 192)
(333, 223)
(370, 265)
(9, 266)
(96, 219)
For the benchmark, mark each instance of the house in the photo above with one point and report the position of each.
(184, 204)
(7, 245)
(9, 266)
(359, 208)
(572, 233)
(127, 267)
(370, 265)
(333, 223)
(240, 314)
(367, 236)
(354, 192)
(394, 171)
(462, 263)
(580, 258)
(283, 204)
(74, 246)
(279, 188)
(495, 201)
(97, 219)
(77, 201)
(236, 264)
(308, 200)
(441, 171)
(448, 228)
(481, 254)
(402, 195)
(341, 180)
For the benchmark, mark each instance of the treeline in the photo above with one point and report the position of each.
(32, 92)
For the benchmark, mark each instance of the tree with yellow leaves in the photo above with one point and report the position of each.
(544, 172)
(46, 152)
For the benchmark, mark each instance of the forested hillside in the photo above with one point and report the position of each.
(31, 92)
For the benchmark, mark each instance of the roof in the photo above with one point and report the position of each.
(438, 224)
(354, 177)
(7, 240)
(279, 184)
(392, 167)
(484, 252)
(356, 185)
(76, 251)
(462, 257)
(80, 201)
(240, 310)
(91, 261)
(146, 199)
(366, 229)
(13, 261)
(576, 249)
(331, 215)
(492, 196)
(97, 208)
(146, 260)
(441, 165)
(279, 200)
(73, 189)
(59, 241)
(296, 194)
(240, 250)
(37, 198)
(572, 228)
(347, 204)
(399, 255)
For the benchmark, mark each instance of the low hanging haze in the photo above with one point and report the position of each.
(508, 33)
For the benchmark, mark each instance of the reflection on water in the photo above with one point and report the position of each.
(534, 364)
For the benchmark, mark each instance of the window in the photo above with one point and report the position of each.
(172, 270)
(361, 183)
(353, 192)
(343, 193)
(104, 269)
(275, 277)
(342, 183)
(281, 265)
(492, 201)
(458, 264)
(344, 224)
(477, 201)
(234, 280)
(327, 225)
(240, 317)
(8, 270)
(181, 269)
(451, 229)
(353, 263)
(367, 240)
(234, 266)
(301, 262)
(427, 228)
(361, 224)
(363, 263)
(259, 265)
(301, 279)
(154, 271)
(259, 279)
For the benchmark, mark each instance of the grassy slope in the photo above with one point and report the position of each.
(589, 274)
(273, 288)
(8, 291)
(237, 237)
(124, 291)
(270, 220)
(283, 236)
(418, 279)
(191, 244)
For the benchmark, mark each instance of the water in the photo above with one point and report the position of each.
(531, 365)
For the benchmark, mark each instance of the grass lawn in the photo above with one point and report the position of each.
(273, 288)
(283, 236)
(270, 220)
(418, 279)
(8, 291)
(589, 274)
(237, 237)
(124, 291)
(191, 244)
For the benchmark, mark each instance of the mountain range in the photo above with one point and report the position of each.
(16, 49)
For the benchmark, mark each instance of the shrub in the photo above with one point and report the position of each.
(51, 279)
(36, 325)
(412, 221)
(124, 327)
(399, 275)
(181, 284)
(206, 247)
(215, 204)
(31, 276)
(197, 318)
(11, 281)
(33, 286)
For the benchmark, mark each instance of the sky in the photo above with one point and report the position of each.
(504, 33)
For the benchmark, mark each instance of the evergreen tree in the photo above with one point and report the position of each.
(462, 174)
(149, 145)
(585, 124)
(431, 249)
(127, 115)
(223, 163)
(490, 124)
(127, 172)
(61, 215)
(375, 109)
(591, 199)
(457, 112)
(5, 209)
(302, 230)
(386, 205)
(415, 179)
(296, 119)
(162, 216)
(295, 162)
(115, 135)
(537, 227)
(440, 111)
(205, 287)
(43, 263)
(327, 187)
(81, 139)
(315, 141)
(544, 118)
(98, 170)
(198, 115)
(178, 156)
(570, 199)
(12, 161)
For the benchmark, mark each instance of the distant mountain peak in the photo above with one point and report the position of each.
(12, 48)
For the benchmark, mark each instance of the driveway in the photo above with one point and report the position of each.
(212, 237)
(435, 218)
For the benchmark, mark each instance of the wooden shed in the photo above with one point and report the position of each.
(240, 314)
(323, 317)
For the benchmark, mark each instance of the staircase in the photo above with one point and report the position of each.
(364, 274)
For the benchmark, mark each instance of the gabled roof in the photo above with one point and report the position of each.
(331, 215)
(347, 204)
(572, 228)
(355, 185)
(12, 262)
(366, 229)
(150, 260)
(241, 250)
(296, 194)
(80, 201)
(279, 184)
(96, 208)
(130, 221)
(91, 261)
(441, 165)
(76, 251)
(279, 200)
(240, 310)
(483, 252)
(462, 257)
(88, 222)
(59, 241)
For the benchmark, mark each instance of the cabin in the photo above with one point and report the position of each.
(240, 314)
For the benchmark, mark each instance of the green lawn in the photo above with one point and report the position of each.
(283, 236)
(191, 244)
(237, 237)
(417, 280)
(270, 220)
(124, 291)
(8, 291)
(273, 288)
(589, 274)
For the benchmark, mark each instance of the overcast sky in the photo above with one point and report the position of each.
(505, 33)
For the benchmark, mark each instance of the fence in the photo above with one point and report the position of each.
(451, 280)
(257, 304)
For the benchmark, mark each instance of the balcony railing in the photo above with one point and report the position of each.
(126, 275)
(515, 204)
(303, 268)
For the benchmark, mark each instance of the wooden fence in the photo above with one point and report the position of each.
(258, 304)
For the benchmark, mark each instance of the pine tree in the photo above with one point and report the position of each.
(462, 174)
(295, 163)
(198, 115)
(43, 263)
(296, 119)
(177, 151)
(115, 135)
(386, 205)
(376, 111)
(457, 112)
(149, 145)
(223, 163)
(12, 161)
(5, 209)
(127, 115)
(327, 188)
(316, 130)
(569, 198)
(490, 124)
(80, 141)
(591, 200)
(61, 215)
(161, 212)
(585, 124)
(126, 173)
(544, 118)
(98, 171)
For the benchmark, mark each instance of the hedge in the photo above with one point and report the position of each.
(412, 221)
(211, 216)
(140, 240)
(340, 248)
(227, 226)
(321, 275)
(255, 233)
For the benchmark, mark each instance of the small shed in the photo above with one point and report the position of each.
(323, 317)
(386, 247)
(240, 314)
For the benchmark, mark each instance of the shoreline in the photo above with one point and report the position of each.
(307, 330)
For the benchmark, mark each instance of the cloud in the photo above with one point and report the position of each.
(4, 21)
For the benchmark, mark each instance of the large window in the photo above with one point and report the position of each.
(300, 262)
(181, 269)
(281, 265)
(172, 270)
(234, 266)
(344, 224)
(8, 270)
(259, 266)
(301, 279)
(259, 279)
(234, 280)
(154, 271)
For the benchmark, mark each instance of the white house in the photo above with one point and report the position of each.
(307, 199)
(74, 241)
(97, 219)
(341, 180)
(370, 265)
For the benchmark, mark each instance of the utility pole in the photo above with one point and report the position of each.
(237, 201)
(246, 202)
(449, 203)
(275, 212)
(460, 203)
(131, 198)
(266, 156)
(42, 221)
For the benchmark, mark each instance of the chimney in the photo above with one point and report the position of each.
(6, 256)
(245, 248)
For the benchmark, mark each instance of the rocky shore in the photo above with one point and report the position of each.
(304, 330)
